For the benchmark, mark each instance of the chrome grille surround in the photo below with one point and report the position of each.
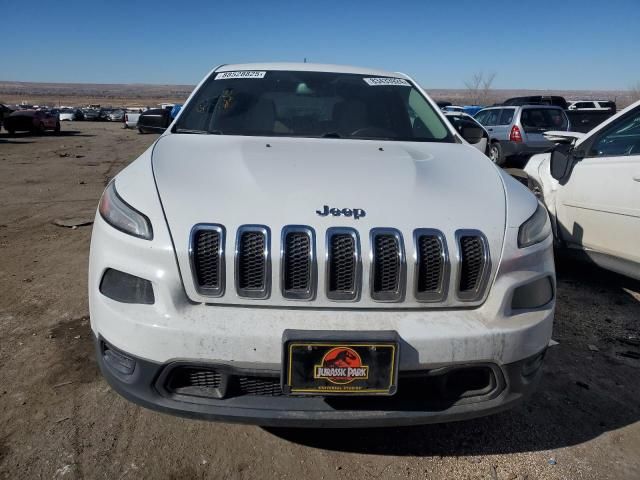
(343, 257)
(212, 261)
(253, 261)
(292, 263)
(388, 271)
(425, 241)
(474, 265)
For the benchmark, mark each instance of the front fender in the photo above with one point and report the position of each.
(538, 169)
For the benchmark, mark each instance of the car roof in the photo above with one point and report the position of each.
(456, 114)
(555, 107)
(309, 67)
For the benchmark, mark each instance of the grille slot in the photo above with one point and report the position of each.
(264, 386)
(298, 262)
(196, 382)
(253, 265)
(388, 269)
(343, 264)
(432, 266)
(474, 264)
(207, 258)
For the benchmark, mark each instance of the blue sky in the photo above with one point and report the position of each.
(561, 44)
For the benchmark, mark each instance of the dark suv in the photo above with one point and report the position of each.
(518, 130)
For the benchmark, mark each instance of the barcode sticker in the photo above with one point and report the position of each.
(374, 82)
(240, 74)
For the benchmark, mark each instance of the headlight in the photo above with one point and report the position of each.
(122, 216)
(536, 229)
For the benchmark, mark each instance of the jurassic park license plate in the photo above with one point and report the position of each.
(340, 368)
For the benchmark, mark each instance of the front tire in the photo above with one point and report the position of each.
(57, 129)
(495, 153)
(39, 130)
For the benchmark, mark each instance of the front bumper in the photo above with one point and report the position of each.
(420, 398)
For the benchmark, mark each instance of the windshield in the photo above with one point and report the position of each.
(312, 104)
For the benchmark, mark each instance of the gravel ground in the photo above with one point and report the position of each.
(59, 419)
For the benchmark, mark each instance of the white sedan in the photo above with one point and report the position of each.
(591, 187)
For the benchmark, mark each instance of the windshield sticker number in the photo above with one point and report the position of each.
(240, 74)
(374, 82)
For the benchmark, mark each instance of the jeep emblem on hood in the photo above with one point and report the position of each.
(347, 212)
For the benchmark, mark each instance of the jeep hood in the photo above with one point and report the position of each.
(237, 180)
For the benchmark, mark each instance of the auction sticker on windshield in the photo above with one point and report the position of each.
(378, 81)
(240, 74)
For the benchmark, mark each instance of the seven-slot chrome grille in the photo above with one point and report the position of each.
(433, 275)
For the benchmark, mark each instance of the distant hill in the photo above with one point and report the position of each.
(53, 94)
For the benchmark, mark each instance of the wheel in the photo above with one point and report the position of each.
(140, 130)
(57, 129)
(39, 130)
(494, 152)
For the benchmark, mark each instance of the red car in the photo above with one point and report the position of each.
(35, 121)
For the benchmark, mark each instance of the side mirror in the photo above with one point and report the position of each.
(472, 134)
(561, 162)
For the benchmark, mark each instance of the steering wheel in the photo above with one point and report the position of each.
(372, 132)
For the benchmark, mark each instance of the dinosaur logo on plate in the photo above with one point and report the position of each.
(341, 365)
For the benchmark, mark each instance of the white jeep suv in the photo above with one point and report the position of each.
(315, 245)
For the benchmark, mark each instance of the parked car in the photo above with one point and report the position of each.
(103, 114)
(460, 121)
(592, 105)
(5, 111)
(35, 121)
(154, 120)
(116, 116)
(313, 245)
(91, 114)
(520, 130)
(131, 117)
(581, 120)
(554, 100)
(453, 108)
(591, 187)
(67, 114)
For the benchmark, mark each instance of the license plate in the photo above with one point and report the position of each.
(340, 367)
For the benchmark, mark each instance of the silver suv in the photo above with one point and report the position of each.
(518, 130)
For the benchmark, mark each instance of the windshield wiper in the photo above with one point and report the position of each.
(331, 135)
(188, 130)
(197, 132)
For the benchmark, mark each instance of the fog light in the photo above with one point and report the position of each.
(118, 361)
(126, 288)
(533, 295)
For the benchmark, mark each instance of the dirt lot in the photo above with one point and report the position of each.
(59, 419)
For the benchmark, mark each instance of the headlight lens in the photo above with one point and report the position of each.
(122, 216)
(536, 229)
